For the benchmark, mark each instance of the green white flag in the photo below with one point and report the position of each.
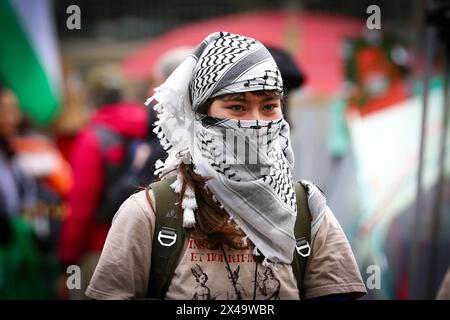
(29, 58)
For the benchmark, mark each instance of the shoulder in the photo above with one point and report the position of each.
(137, 208)
(332, 268)
(123, 268)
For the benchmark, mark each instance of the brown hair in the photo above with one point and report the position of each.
(212, 228)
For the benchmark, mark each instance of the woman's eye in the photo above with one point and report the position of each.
(269, 107)
(236, 108)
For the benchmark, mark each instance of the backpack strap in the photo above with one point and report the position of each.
(168, 240)
(302, 233)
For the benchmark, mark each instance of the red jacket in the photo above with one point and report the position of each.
(80, 232)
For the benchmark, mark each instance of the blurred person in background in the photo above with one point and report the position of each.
(100, 156)
(20, 260)
(293, 76)
(17, 192)
(39, 158)
(377, 68)
(74, 113)
(167, 63)
(21, 265)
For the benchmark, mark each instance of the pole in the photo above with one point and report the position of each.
(416, 252)
(437, 208)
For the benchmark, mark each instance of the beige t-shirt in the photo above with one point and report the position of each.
(202, 273)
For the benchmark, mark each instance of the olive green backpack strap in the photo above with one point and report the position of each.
(302, 233)
(168, 240)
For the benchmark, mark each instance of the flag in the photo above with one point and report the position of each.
(29, 59)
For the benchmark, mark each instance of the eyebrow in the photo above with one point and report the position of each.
(268, 98)
(234, 97)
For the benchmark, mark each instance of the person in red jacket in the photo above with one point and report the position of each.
(102, 144)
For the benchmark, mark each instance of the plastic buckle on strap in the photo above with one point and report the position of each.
(303, 247)
(167, 233)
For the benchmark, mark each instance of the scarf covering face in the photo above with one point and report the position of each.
(250, 161)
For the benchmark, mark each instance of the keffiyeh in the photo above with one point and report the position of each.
(250, 161)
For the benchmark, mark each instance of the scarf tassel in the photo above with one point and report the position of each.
(189, 192)
(189, 202)
(188, 218)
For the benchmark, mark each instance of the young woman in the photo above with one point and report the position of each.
(20, 261)
(17, 191)
(229, 153)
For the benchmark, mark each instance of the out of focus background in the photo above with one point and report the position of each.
(367, 102)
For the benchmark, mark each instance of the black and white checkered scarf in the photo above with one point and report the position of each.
(251, 161)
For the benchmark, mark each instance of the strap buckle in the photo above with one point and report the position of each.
(167, 233)
(303, 247)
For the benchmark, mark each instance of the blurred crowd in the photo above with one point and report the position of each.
(60, 186)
